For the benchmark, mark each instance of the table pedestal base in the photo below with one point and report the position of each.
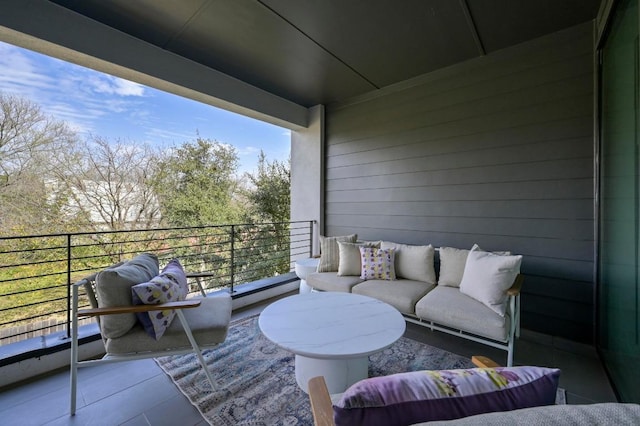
(338, 373)
(304, 287)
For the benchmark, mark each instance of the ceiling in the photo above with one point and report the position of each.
(315, 52)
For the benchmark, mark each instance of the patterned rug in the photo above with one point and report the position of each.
(256, 382)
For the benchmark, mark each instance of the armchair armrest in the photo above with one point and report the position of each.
(183, 304)
(515, 288)
(198, 276)
(484, 362)
(321, 405)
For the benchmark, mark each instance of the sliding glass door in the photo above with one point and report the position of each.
(619, 215)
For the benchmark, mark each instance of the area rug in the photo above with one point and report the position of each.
(255, 379)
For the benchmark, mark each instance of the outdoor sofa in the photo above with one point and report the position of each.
(475, 295)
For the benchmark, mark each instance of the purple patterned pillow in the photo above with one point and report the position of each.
(161, 289)
(422, 396)
(377, 264)
(175, 272)
(169, 286)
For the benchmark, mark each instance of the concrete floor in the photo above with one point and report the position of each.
(139, 392)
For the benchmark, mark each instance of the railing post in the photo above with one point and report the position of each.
(68, 285)
(311, 238)
(233, 262)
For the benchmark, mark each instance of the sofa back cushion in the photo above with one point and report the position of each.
(329, 251)
(421, 396)
(113, 288)
(413, 262)
(452, 261)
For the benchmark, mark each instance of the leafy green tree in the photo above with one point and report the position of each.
(196, 184)
(267, 236)
(269, 195)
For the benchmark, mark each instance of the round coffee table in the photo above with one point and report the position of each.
(332, 334)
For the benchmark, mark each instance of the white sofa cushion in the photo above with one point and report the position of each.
(401, 294)
(349, 254)
(452, 264)
(413, 262)
(329, 252)
(452, 261)
(487, 277)
(330, 281)
(448, 306)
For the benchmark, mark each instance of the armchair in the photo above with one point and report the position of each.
(202, 322)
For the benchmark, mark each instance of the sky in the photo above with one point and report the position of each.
(100, 105)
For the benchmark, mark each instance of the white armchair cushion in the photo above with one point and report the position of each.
(113, 288)
(487, 277)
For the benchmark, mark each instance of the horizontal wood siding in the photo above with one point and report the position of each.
(496, 151)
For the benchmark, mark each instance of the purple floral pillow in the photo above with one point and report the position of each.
(422, 396)
(170, 286)
(377, 264)
(175, 272)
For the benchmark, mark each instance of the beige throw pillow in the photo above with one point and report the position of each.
(488, 276)
(329, 251)
(452, 263)
(349, 257)
(413, 262)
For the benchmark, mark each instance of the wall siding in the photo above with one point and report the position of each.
(496, 151)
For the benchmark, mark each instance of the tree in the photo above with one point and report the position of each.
(268, 213)
(108, 185)
(270, 193)
(29, 144)
(196, 184)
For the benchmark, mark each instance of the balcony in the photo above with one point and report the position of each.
(233, 258)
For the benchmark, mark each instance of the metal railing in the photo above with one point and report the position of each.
(36, 271)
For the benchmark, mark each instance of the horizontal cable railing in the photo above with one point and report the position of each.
(36, 271)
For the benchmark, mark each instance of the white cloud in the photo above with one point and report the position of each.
(110, 85)
(248, 150)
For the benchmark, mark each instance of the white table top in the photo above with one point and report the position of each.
(332, 325)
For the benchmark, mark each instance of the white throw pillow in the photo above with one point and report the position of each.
(488, 276)
(452, 263)
(413, 262)
(349, 254)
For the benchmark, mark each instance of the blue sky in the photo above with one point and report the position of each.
(98, 104)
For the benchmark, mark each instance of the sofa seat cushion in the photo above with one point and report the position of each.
(448, 306)
(330, 281)
(401, 294)
(208, 323)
